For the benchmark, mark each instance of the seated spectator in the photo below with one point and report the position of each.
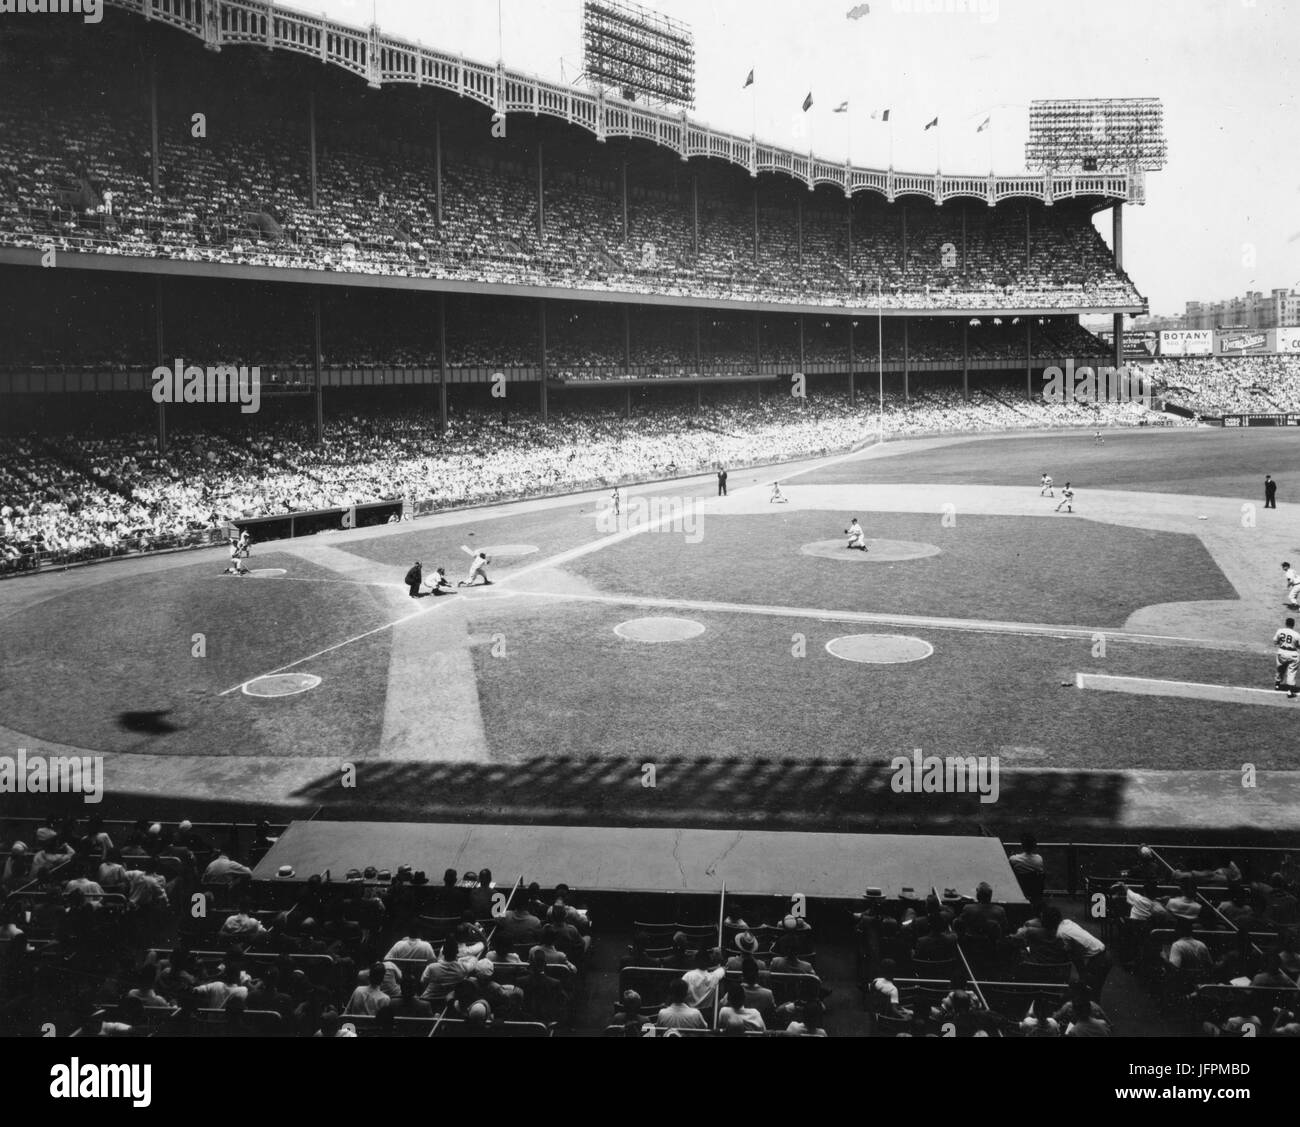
(1086, 1023)
(702, 980)
(1186, 905)
(545, 999)
(1187, 953)
(810, 1023)
(441, 976)
(976, 917)
(222, 869)
(1039, 1022)
(551, 954)
(884, 996)
(412, 946)
(518, 926)
(736, 1006)
(757, 996)
(787, 960)
(679, 1013)
(370, 998)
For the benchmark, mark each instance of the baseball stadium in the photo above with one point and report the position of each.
(991, 768)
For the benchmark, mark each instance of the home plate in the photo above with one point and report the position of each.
(261, 573)
(1186, 690)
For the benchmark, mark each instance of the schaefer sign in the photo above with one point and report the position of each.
(1187, 342)
(1250, 343)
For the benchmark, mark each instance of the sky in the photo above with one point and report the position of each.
(1223, 217)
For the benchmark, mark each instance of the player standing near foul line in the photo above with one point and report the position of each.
(1288, 658)
(1292, 581)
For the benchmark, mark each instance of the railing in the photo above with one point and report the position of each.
(383, 60)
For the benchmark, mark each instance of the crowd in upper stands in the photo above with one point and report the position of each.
(80, 179)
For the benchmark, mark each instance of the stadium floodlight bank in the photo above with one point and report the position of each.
(639, 53)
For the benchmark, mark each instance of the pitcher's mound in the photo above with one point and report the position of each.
(659, 629)
(879, 649)
(878, 551)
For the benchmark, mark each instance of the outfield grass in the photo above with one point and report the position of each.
(1203, 462)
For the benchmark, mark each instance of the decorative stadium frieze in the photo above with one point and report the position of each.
(384, 60)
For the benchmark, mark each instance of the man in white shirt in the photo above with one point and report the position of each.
(702, 981)
(1094, 962)
(678, 1014)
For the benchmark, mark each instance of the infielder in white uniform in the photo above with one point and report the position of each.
(857, 538)
(476, 566)
(1292, 586)
(1288, 658)
(1047, 490)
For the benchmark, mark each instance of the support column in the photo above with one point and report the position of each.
(1118, 216)
(695, 215)
(1029, 248)
(798, 214)
(153, 124)
(907, 363)
(625, 220)
(802, 362)
(627, 340)
(1029, 358)
(311, 145)
(853, 384)
(316, 367)
(755, 224)
(699, 356)
(904, 211)
(627, 414)
(963, 239)
(161, 343)
(437, 168)
(541, 321)
(965, 360)
(758, 345)
(848, 262)
(541, 197)
(442, 363)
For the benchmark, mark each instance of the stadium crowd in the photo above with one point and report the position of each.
(73, 496)
(98, 936)
(77, 178)
(1230, 385)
